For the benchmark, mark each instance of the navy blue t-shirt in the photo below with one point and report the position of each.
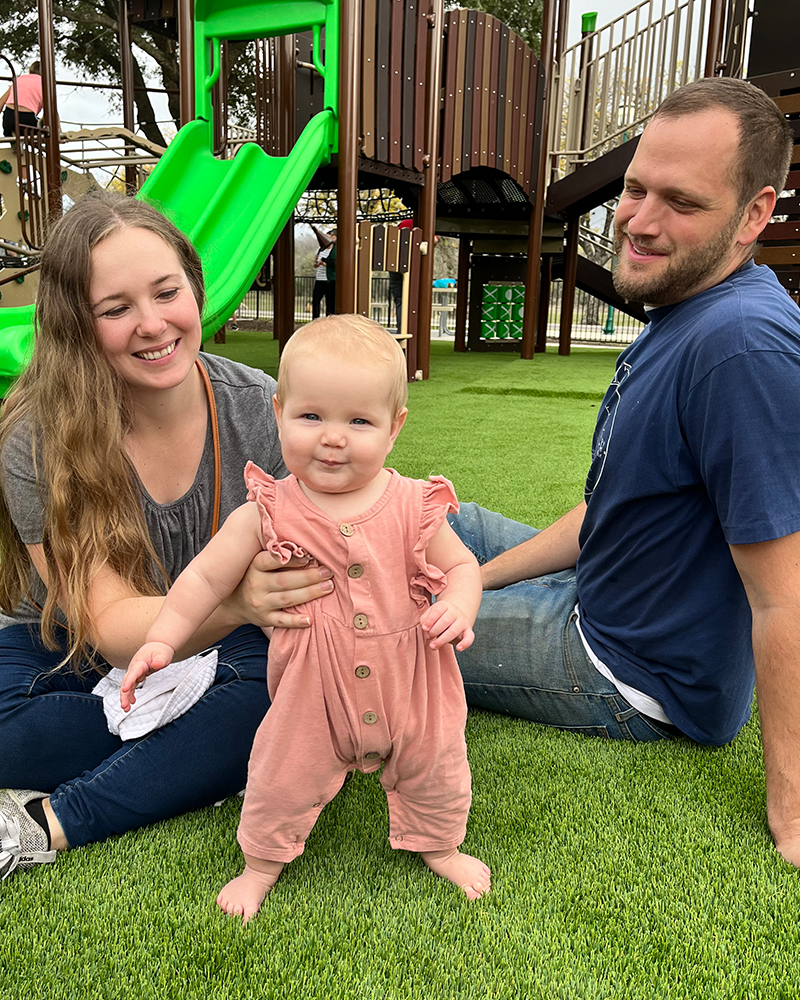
(697, 446)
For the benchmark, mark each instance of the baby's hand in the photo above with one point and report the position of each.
(151, 657)
(444, 623)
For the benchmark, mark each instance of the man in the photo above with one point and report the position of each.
(688, 541)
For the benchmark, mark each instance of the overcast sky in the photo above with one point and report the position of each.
(83, 106)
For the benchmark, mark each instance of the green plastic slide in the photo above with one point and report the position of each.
(232, 210)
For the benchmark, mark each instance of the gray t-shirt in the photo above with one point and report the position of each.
(247, 431)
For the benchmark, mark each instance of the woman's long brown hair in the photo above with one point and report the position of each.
(76, 411)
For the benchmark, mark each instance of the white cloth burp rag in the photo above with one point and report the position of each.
(160, 698)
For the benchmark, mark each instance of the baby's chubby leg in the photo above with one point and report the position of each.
(243, 896)
(469, 873)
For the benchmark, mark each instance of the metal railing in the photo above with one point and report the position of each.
(608, 85)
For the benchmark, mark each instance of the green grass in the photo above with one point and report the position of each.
(618, 871)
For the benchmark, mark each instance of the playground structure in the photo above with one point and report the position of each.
(480, 138)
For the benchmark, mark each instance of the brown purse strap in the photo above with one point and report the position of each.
(212, 411)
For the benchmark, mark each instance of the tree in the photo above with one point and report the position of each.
(525, 17)
(87, 40)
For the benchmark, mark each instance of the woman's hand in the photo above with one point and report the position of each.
(268, 590)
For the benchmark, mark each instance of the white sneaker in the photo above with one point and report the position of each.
(23, 843)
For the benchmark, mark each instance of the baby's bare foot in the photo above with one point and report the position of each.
(469, 873)
(243, 896)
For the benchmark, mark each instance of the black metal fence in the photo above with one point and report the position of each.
(593, 321)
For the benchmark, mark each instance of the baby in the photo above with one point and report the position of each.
(374, 681)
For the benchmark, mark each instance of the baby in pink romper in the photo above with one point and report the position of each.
(374, 681)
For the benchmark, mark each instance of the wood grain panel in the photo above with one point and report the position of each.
(368, 34)
(409, 53)
(469, 86)
(419, 84)
(491, 142)
(378, 245)
(461, 59)
(364, 269)
(383, 29)
(519, 63)
(509, 103)
(476, 70)
(525, 109)
(412, 319)
(448, 112)
(535, 118)
(486, 91)
(396, 81)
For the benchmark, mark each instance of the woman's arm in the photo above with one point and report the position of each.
(122, 617)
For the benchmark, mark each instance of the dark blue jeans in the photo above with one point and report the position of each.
(54, 738)
(528, 659)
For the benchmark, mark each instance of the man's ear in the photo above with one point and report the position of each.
(756, 216)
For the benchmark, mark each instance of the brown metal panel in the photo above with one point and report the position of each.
(392, 248)
(477, 89)
(486, 91)
(396, 81)
(525, 109)
(368, 34)
(491, 139)
(378, 248)
(404, 252)
(383, 29)
(420, 72)
(461, 58)
(413, 302)
(502, 73)
(509, 121)
(469, 87)
(534, 123)
(364, 270)
(519, 63)
(407, 92)
(448, 122)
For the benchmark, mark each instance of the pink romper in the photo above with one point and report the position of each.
(361, 687)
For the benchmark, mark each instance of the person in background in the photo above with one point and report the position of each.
(25, 104)
(323, 288)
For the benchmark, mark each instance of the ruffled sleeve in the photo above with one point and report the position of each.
(262, 490)
(438, 500)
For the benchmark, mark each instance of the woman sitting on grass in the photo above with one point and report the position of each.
(108, 451)
(375, 679)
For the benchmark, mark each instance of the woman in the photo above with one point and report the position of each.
(116, 446)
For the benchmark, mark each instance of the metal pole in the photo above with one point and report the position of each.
(464, 250)
(186, 53)
(570, 276)
(47, 58)
(715, 23)
(536, 219)
(349, 94)
(427, 213)
(284, 248)
(126, 66)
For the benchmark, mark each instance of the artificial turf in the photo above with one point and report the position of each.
(618, 871)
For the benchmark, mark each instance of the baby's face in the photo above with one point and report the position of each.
(336, 425)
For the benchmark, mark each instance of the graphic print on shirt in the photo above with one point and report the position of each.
(605, 428)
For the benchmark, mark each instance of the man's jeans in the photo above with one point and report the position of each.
(54, 738)
(528, 659)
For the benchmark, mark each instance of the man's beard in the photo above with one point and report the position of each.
(685, 271)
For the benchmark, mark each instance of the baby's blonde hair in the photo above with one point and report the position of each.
(353, 338)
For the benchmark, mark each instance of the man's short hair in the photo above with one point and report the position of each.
(765, 136)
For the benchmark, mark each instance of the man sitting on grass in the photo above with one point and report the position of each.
(686, 550)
